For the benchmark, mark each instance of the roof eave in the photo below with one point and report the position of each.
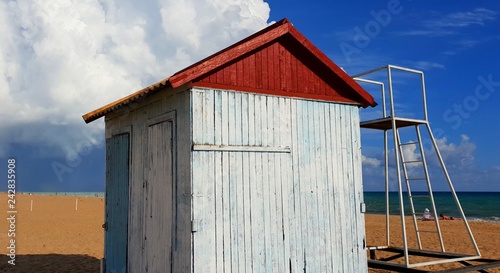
(100, 112)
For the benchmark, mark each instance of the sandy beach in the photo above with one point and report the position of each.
(455, 237)
(55, 237)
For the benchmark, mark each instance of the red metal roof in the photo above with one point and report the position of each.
(277, 60)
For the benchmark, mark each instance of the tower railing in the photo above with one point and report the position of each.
(392, 122)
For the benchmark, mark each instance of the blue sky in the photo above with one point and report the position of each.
(59, 61)
(455, 44)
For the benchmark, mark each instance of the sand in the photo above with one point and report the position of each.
(55, 237)
(455, 237)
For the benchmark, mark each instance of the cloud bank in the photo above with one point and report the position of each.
(459, 159)
(60, 59)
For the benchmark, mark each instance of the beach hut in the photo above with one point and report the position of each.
(248, 160)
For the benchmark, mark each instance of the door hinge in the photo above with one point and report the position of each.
(105, 226)
(103, 265)
(363, 208)
(194, 226)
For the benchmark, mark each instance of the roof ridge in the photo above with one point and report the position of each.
(241, 48)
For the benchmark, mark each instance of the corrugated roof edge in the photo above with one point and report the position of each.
(96, 114)
(214, 61)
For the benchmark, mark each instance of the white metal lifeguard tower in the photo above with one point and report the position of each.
(412, 172)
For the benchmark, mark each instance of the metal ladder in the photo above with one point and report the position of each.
(420, 162)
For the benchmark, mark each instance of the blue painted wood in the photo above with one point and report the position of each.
(117, 199)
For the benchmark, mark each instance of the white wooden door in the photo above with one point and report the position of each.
(159, 198)
(241, 210)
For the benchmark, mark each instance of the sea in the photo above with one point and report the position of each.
(79, 194)
(477, 206)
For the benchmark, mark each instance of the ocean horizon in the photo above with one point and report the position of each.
(477, 206)
(79, 194)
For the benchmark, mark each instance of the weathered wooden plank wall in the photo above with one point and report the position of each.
(160, 207)
(326, 150)
(276, 183)
(138, 117)
(262, 211)
(237, 196)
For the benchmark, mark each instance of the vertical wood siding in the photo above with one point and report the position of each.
(139, 117)
(280, 68)
(288, 203)
(326, 151)
(159, 198)
(258, 211)
(237, 195)
(117, 200)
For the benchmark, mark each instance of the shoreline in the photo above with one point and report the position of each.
(469, 219)
(74, 194)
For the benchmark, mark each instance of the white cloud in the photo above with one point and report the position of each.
(478, 16)
(359, 62)
(428, 65)
(370, 161)
(468, 43)
(430, 33)
(61, 59)
(448, 24)
(458, 159)
(455, 156)
(410, 153)
(463, 45)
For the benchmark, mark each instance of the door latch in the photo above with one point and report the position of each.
(105, 226)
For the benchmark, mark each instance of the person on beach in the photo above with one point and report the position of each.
(427, 215)
(446, 217)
